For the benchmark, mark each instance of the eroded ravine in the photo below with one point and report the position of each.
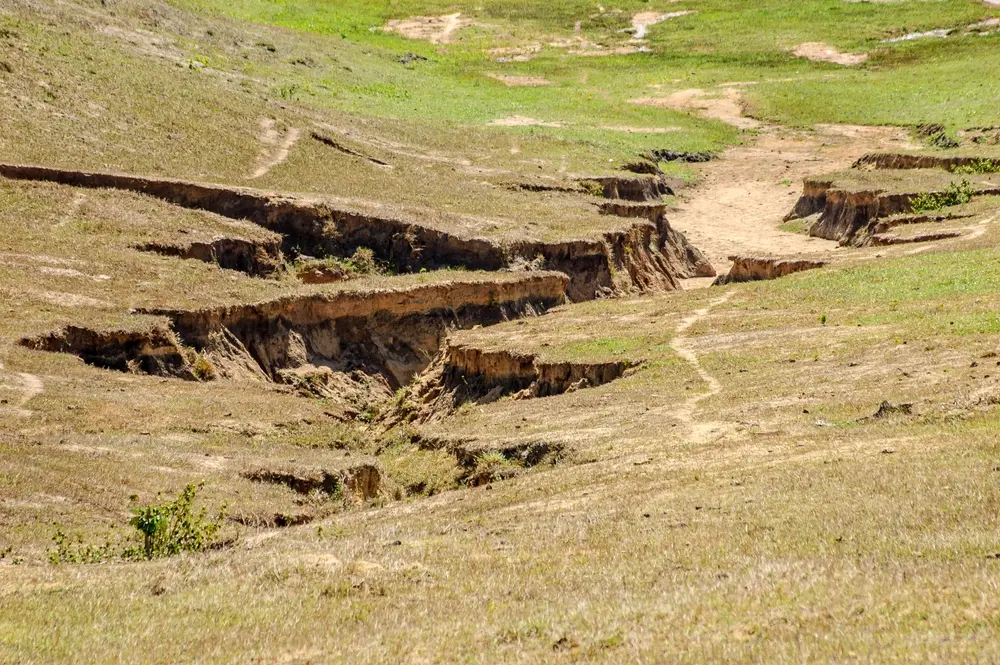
(352, 346)
(640, 254)
(743, 197)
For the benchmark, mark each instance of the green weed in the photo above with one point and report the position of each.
(978, 167)
(958, 193)
(173, 527)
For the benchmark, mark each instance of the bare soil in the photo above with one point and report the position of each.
(512, 81)
(725, 105)
(820, 52)
(435, 29)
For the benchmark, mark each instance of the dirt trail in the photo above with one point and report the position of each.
(820, 52)
(700, 429)
(73, 210)
(642, 21)
(276, 146)
(743, 197)
(30, 387)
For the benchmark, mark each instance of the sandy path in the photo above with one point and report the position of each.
(820, 52)
(725, 105)
(434, 29)
(700, 430)
(276, 146)
(30, 387)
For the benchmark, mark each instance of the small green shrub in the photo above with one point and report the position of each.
(173, 527)
(70, 550)
(978, 167)
(161, 530)
(364, 262)
(203, 368)
(593, 188)
(958, 193)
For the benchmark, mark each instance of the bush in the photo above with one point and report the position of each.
(363, 262)
(203, 368)
(173, 527)
(492, 466)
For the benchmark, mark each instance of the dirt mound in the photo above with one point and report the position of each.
(820, 52)
(322, 274)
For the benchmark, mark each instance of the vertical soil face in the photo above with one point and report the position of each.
(462, 374)
(755, 268)
(154, 351)
(257, 259)
(355, 347)
(889, 160)
(853, 217)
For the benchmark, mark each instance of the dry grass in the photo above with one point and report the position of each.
(728, 500)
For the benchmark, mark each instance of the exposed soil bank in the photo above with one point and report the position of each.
(630, 188)
(881, 240)
(890, 223)
(755, 268)
(362, 480)
(154, 351)
(646, 255)
(851, 217)
(257, 259)
(521, 455)
(354, 347)
(463, 374)
(888, 160)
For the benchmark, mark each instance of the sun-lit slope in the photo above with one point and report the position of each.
(780, 487)
(456, 465)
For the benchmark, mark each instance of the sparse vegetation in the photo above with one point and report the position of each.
(173, 527)
(492, 466)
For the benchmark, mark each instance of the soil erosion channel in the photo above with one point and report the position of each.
(741, 199)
